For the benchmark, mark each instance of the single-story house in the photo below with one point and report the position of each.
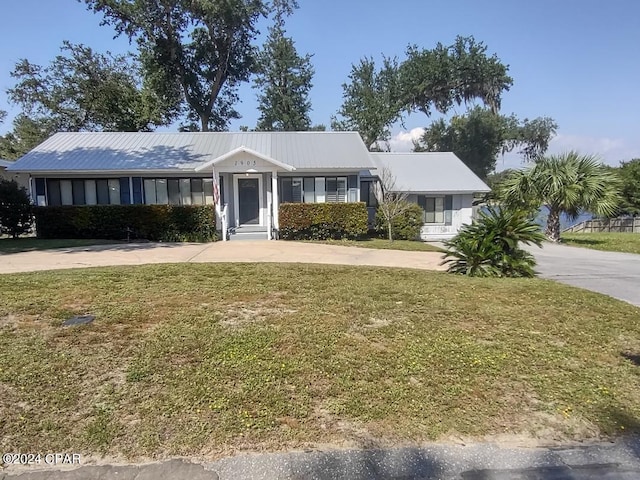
(255, 173)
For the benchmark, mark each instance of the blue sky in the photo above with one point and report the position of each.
(573, 60)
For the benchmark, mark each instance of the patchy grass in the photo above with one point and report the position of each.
(380, 243)
(28, 244)
(613, 242)
(206, 359)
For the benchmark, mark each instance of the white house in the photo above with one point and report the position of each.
(255, 171)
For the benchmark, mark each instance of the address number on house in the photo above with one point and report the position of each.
(245, 163)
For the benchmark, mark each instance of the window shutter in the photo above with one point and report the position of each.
(448, 207)
(137, 190)
(125, 198)
(422, 201)
(78, 192)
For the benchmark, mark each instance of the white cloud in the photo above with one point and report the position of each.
(403, 141)
(609, 150)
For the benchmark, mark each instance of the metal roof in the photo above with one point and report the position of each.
(430, 172)
(138, 151)
(5, 163)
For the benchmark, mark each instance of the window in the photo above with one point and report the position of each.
(53, 193)
(336, 189)
(320, 189)
(150, 196)
(79, 197)
(185, 191)
(207, 186)
(90, 193)
(162, 194)
(309, 185)
(436, 209)
(102, 186)
(66, 192)
(114, 191)
(173, 185)
(197, 193)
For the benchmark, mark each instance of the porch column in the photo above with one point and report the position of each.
(275, 199)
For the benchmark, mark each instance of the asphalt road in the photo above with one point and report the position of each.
(480, 461)
(612, 273)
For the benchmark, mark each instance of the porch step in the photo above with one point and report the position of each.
(248, 233)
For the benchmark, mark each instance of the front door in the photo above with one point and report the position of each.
(248, 201)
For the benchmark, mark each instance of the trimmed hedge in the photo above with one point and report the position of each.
(165, 223)
(403, 227)
(322, 221)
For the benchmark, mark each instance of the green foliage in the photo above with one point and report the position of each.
(629, 172)
(370, 104)
(16, 216)
(83, 90)
(27, 133)
(322, 221)
(451, 75)
(569, 183)
(479, 136)
(284, 78)
(405, 226)
(489, 247)
(167, 223)
(197, 51)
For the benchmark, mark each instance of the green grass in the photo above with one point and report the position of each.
(205, 359)
(28, 244)
(380, 243)
(613, 242)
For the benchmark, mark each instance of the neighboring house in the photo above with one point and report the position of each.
(256, 172)
(440, 183)
(22, 179)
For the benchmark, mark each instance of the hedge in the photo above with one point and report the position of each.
(165, 223)
(322, 221)
(403, 227)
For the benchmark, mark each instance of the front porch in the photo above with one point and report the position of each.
(248, 194)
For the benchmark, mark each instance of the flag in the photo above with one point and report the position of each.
(216, 188)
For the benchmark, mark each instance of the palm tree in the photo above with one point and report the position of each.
(568, 183)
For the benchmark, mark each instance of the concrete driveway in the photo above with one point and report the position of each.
(238, 251)
(612, 273)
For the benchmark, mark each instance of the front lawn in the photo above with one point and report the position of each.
(381, 243)
(28, 244)
(613, 242)
(210, 359)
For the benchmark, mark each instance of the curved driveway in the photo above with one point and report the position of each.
(612, 273)
(234, 251)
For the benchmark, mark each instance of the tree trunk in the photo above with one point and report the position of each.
(204, 122)
(553, 225)
(390, 231)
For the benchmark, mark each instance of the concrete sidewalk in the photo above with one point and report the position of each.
(480, 461)
(238, 251)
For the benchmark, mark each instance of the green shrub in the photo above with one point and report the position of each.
(489, 247)
(405, 226)
(166, 223)
(322, 221)
(16, 212)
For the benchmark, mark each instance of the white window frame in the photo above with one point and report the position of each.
(236, 203)
(435, 210)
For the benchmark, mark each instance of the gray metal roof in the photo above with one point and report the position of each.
(122, 151)
(5, 163)
(430, 172)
